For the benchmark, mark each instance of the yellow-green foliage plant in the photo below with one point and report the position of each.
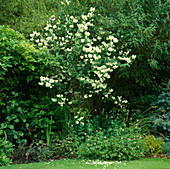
(153, 145)
(6, 148)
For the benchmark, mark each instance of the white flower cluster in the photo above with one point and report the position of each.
(79, 120)
(120, 102)
(66, 2)
(61, 100)
(48, 82)
(124, 56)
(88, 57)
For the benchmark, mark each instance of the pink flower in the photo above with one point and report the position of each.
(70, 149)
(138, 146)
(72, 153)
(97, 137)
(140, 137)
(125, 148)
(94, 143)
(104, 136)
(132, 148)
(118, 149)
(104, 141)
(119, 155)
(71, 125)
(84, 133)
(141, 153)
(134, 141)
(88, 150)
(90, 136)
(121, 137)
(128, 138)
(112, 117)
(122, 129)
(135, 126)
(130, 118)
(96, 130)
(111, 154)
(124, 124)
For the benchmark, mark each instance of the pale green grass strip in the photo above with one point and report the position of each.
(149, 163)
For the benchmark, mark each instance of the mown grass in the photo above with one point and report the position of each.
(146, 163)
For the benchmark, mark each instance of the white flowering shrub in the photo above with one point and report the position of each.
(87, 56)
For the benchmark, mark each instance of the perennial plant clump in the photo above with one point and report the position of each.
(6, 149)
(117, 142)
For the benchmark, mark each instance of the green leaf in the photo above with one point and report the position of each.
(19, 109)
(11, 127)
(24, 120)
(16, 121)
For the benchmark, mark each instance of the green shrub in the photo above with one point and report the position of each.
(161, 116)
(166, 148)
(21, 65)
(36, 118)
(43, 117)
(153, 145)
(88, 55)
(90, 75)
(6, 149)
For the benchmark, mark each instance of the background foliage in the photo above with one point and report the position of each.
(23, 15)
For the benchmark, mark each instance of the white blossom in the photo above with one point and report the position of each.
(87, 33)
(75, 20)
(110, 49)
(133, 56)
(41, 83)
(115, 40)
(92, 9)
(54, 99)
(84, 17)
(47, 84)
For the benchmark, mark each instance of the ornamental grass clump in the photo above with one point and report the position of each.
(87, 55)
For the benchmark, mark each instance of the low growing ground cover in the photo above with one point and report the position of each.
(144, 163)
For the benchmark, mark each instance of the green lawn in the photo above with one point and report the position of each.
(147, 163)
